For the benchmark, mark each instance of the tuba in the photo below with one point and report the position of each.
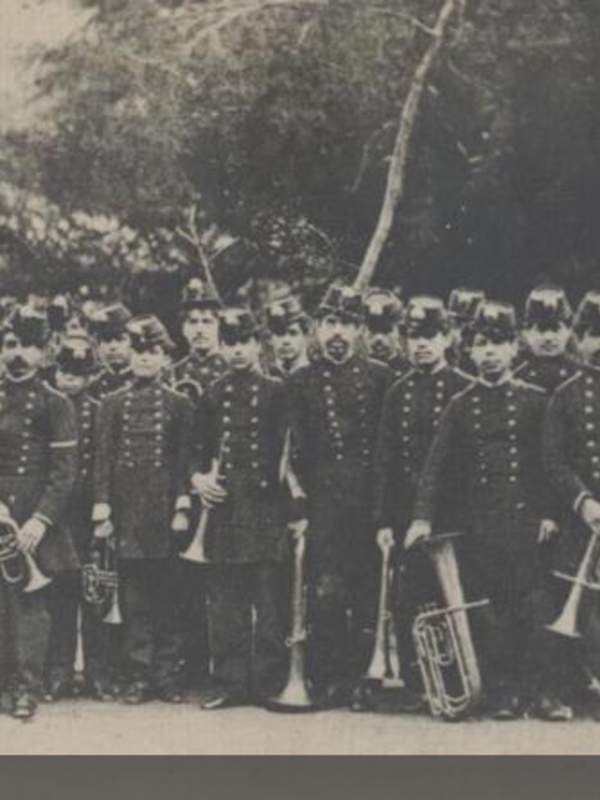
(295, 696)
(101, 581)
(195, 552)
(445, 652)
(15, 565)
(566, 622)
(385, 667)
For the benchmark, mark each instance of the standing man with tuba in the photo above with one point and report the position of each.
(336, 404)
(38, 462)
(489, 438)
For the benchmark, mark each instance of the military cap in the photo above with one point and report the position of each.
(29, 325)
(382, 310)
(425, 315)
(110, 321)
(587, 316)
(147, 331)
(76, 356)
(343, 301)
(282, 313)
(495, 320)
(463, 304)
(199, 294)
(58, 312)
(547, 305)
(237, 324)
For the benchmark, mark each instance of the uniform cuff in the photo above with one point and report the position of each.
(183, 503)
(579, 501)
(43, 518)
(101, 512)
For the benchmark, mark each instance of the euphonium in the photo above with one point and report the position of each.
(195, 552)
(385, 665)
(101, 581)
(23, 564)
(566, 622)
(295, 696)
(445, 651)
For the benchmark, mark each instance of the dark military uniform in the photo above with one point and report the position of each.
(38, 461)
(142, 469)
(335, 414)
(108, 381)
(547, 372)
(495, 430)
(244, 415)
(199, 369)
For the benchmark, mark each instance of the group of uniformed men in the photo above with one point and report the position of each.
(373, 425)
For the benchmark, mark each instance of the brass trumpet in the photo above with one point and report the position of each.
(566, 623)
(24, 566)
(196, 552)
(385, 667)
(101, 581)
(442, 636)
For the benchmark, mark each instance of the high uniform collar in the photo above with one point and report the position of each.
(147, 383)
(28, 377)
(112, 371)
(441, 365)
(302, 361)
(506, 378)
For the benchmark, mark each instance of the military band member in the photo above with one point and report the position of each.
(109, 327)
(242, 427)
(75, 364)
(546, 332)
(288, 327)
(336, 404)
(141, 482)
(411, 414)
(495, 426)
(462, 307)
(382, 316)
(38, 461)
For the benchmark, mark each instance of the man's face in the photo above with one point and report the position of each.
(426, 348)
(241, 352)
(116, 350)
(547, 340)
(68, 383)
(147, 362)
(201, 330)
(588, 346)
(337, 337)
(492, 357)
(383, 345)
(18, 357)
(291, 345)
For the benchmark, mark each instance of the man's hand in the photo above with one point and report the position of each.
(102, 530)
(419, 531)
(590, 514)
(548, 529)
(31, 534)
(385, 538)
(298, 528)
(211, 493)
(180, 522)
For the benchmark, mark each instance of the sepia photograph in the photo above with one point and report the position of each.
(300, 377)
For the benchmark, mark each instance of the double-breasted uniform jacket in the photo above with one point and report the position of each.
(242, 421)
(143, 464)
(411, 414)
(335, 415)
(399, 364)
(496, 432)
(547, 372)
(38, 463)
(108, 381)
(199, 369)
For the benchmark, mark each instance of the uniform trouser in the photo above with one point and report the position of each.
(342, 609)
(194, 621)
(24, 630)
(151, 628)
(65, 599)
(248, 651)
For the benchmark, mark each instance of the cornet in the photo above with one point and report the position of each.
(196, 552)
(101, 581)
(15, 565)
(566, 623)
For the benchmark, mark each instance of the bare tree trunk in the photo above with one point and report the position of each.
(397, 169)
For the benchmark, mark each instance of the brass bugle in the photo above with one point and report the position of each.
(37, 580)
(196, 552)
(566, 623)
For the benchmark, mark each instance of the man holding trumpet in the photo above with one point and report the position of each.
(38, 462)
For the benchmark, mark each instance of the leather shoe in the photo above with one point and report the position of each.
(24, 706)
(57, 689)
(219, 700)
(361, 699)
(171, 694)
(506, 707)
(100, 690)
(137, 693)
(553, 710)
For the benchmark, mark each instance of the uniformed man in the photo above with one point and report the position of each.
(193, 375)
(546, 332)
(75, 364)
(411, 414)
(288, 327)
(494, 428)
(109, 328)
(336, 404)
(242, 428)
(141, 492)
(38, 461)
(382, 317)
(462, 307)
